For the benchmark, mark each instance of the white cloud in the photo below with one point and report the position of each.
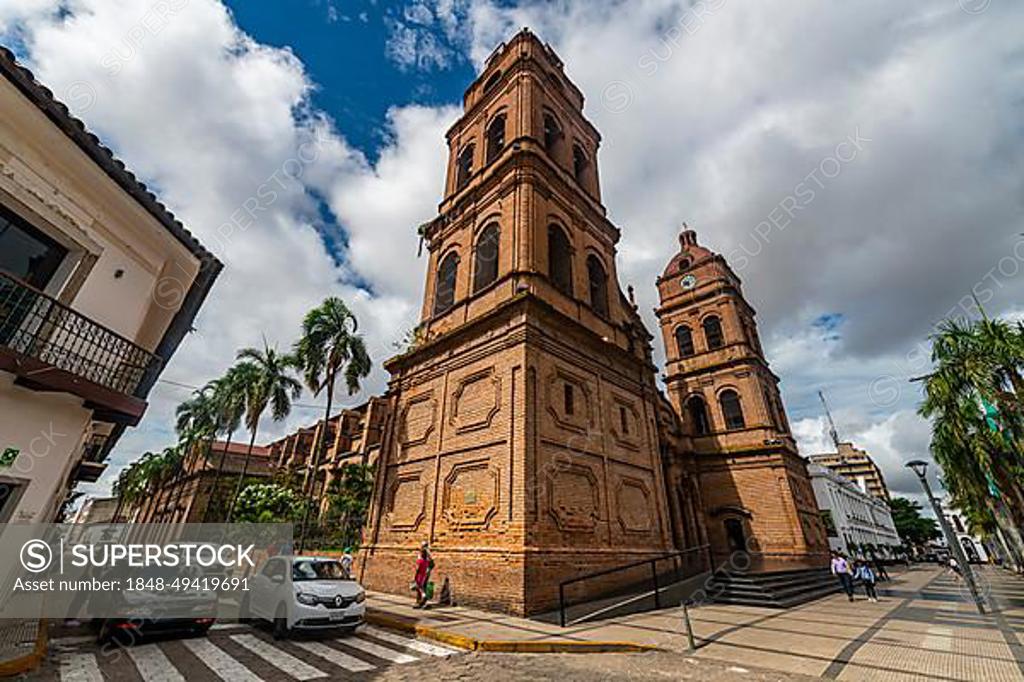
(208, 116)
(429, 34)
(711, 112)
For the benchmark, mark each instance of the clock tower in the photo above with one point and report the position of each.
(754, 487)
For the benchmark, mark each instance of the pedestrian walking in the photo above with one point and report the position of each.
(841, 569)
(421, 581)
(867, 578)
(346, 563)
(954, 566)
(880, 571)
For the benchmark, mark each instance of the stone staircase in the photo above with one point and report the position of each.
(778, 589)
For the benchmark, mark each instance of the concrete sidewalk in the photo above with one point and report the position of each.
(924, 627)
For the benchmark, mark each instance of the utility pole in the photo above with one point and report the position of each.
(831, 424)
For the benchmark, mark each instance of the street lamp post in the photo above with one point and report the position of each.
(920, 467)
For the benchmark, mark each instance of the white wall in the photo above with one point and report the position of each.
(117, 254)
(48, 429)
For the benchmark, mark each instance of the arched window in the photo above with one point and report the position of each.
(598, 285)
(684, 341)
(485, 263)
(464, 166)
(732, 411)
(781, 411)
(713, 332)
(495, 138)
(735, 535)
(769, 407)
(697, 411)
(444, 292)
(552, 132)
(559, 260)
(492, 82)
(579, 162)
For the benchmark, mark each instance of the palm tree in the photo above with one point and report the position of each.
(155, 470)
(197, 423)
(973, 400)
(229, 400)
(128, 488)
(270, 385)
(329, 346)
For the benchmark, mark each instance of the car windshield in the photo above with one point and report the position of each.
(317, 570)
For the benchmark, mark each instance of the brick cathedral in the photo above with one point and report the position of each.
(526, 437)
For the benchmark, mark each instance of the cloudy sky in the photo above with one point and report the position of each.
(859, 163)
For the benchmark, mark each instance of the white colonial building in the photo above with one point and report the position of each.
(853, 517)
(974, 548)
(99, 283)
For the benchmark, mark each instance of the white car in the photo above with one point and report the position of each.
(304, 593)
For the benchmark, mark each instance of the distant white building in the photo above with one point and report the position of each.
(974, 548)
(852, 516)
(99, 510)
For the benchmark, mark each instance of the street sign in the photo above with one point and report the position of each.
(8, 456)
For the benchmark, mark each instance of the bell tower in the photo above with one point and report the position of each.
(756, 492)
(522, 442)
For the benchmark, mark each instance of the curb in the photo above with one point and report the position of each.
(28, 662)
(504, 646)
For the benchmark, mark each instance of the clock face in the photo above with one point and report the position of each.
(688, 282)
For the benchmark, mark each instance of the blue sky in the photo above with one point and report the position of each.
(345, 51)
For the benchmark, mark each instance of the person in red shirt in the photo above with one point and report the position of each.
(424, 564)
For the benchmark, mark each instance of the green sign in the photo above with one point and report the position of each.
(8, 456)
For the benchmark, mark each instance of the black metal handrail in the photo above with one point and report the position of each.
(93, 451)
(653, 562)
(40, 327)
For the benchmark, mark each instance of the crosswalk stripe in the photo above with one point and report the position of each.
(376, 649)
(280, 659)
(153, 665)
(220, 661)
(414, 644)
(228, 626)
(336, 657)
(80, 668)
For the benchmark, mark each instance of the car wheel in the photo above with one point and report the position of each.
(281, 623)
(201, 631)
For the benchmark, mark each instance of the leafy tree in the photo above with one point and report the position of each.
(154, 470)
(270, 384)
(972, 399)
(196, 423)
(329, 348)
(348, 501)
(267, 503)
(229, 398)
(129, 487)
(915, 529)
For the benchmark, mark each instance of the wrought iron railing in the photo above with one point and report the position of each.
(40, 327)
(93, 451)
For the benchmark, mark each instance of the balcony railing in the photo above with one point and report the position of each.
(39, 327)
(92, 466)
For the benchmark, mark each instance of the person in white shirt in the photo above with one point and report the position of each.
(346, 562)
(840, 568)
